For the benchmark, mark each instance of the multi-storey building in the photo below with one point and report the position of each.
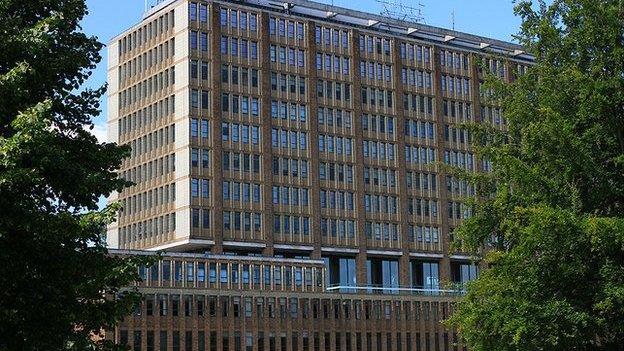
(290, 156)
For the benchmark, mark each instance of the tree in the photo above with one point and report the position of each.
(550, 219)
(54, 266)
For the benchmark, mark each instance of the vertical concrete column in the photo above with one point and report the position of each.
(359, 159)
(313, 133)
(397, 66)
(445, 264)
(265, 116)
(216, 119)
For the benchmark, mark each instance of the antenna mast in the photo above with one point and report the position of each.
(453, 18)
(398, 10)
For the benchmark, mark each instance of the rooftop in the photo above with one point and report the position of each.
(374, 22)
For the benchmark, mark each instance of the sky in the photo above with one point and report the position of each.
(488, 18)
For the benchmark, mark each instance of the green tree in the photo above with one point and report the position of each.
(551, 227)
(54, 266)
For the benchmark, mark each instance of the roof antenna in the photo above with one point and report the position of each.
(397, 9)
(453, 18)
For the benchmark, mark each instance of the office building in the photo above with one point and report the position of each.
(290, 157)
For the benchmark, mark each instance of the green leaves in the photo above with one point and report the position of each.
(552, 226)
(55, 270)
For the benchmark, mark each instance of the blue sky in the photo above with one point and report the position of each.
(488, 18)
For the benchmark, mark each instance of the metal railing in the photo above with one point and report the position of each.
(398, 290)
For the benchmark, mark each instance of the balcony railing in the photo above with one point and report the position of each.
(399, 290)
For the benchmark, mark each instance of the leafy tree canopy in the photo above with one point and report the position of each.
(551, 222)
(54, 266)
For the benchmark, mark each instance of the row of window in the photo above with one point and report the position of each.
(493, 115)
(335, 63)
(290, 167)
(288, 83)
(416, 78)
(379, 124)
(415, 53)
(152, 141)
(147, 229)
(147, 87)
(380, 176)
(203, 154)
(460, 187)
(241, 161)
(288, 224)
(459, 159)
(200, 128)
(419, 233)
(200, 99)
(198, 12)
(378, 150)
(333, 37)
(335, 199)
(373, 44)
(381, 204)
(199, 69)
(150, 170)
(335, 144)
(372, 97)
(271, 307)
(458, 210)
(236, 47)
(200, 186)
(457, 109)
(287, 195)
(240, 105)
(422, 207)
(153, 57)
(421, 181)
(147, 115)
(227, 272)
(149, 199)
(376, 70)
(420, 155)
(238, 19)
(333, 90)
(239, 76)
(336, 172)
(240, 133)
(200, 218)
(288, 110)
(198, 41)
(334, 117)
(457, 85)
(418, 103)
(286, 28)
(419, 129)
(456, 134)
(242, 221)
(282, 54)
(296, 140)
(241, 191)
(148, 31)
(454, 60)
(338, 228)
(382, 231)
(494, 66)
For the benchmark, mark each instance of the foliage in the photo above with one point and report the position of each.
(550, 220)
(55, 271)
